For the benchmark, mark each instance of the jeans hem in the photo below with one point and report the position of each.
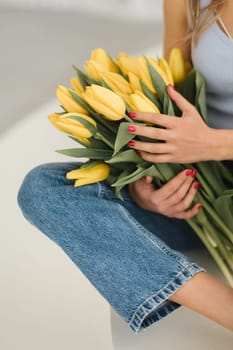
(157, 306)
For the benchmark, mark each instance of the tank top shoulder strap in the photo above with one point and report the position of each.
(205, 3)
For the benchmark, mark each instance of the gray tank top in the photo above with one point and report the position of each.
(213, 58)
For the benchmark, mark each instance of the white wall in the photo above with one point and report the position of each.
(138, 9)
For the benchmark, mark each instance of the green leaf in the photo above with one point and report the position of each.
(189, 87)
(84, 122)
(224, 206)
(200, 100)
(86, 152)
(157, 81)
(138, 174)
(151, 96)
(82, 77)
(82, 103)
(129, 156)
(123, 137)
(168, 107)
(118, 189)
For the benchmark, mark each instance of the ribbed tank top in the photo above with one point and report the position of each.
(213, 58)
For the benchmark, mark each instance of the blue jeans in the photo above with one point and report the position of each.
(130, 255)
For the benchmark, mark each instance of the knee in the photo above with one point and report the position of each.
(31, 187)
(36, 184)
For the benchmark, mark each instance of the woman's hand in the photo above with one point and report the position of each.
(173, 199)
(187, 139)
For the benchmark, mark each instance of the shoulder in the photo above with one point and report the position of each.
(175, 7)
(175, 23)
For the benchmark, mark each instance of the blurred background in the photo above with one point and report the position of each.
(46, 302)
(40, 40)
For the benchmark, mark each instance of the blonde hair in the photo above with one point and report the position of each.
(198, 25)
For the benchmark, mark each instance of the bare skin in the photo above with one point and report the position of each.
(203, 293)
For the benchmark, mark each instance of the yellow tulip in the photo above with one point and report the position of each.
(159, 70)
(71, 126)
(90, 174)
(105, 102)
(166, 69)
(134, 82)
(100, 62)
(144, 74)
(76, 85)
(188, 67)
(177, 65)
(128, 63)
(67, 101)
(100, 56)
(140, 103)
(116, 82)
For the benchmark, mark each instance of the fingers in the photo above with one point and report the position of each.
(154, 118)
(175, 198)
(181, 102)
(148, 131)
(183, 179)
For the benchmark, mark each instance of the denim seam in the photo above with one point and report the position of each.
(148, 234)
(159, 298)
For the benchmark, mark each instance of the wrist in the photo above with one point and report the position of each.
(221, 144)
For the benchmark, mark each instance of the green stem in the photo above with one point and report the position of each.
(98, 136)
(225, 270)
(216, 218)
(210, 230)
(128, 118)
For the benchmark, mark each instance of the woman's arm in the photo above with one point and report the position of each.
(175, 27)
(187, 139)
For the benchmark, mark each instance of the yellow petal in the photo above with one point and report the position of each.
(142, 104)
(90, 174)
(128, 63)
(105, 101)
(67, 101)
(100, 56)
(177, 65)
(166, 69)
(102, 109)
(76, 85)
(144, 74)
(134, 82)
(69, 126)
(93, 69)
(156, 66)
(116, 82)
(188, 67)
(86, 117)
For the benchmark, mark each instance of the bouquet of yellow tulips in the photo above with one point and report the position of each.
(95, 114)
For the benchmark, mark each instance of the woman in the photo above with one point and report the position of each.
(131, 251)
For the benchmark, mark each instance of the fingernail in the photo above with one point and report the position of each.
(139, 153)
(170, 86)
(188, 172)
(131, 128)
(196, 185)
(194, 173)
(199, 206)
(131, 143)
(132, 114)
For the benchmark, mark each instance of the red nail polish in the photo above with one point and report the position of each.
(199, 206)
(132, 114)
(196, 185)
(139, 153)
(131, 128)
(131, 143)
(188, 172)
(194, 173)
